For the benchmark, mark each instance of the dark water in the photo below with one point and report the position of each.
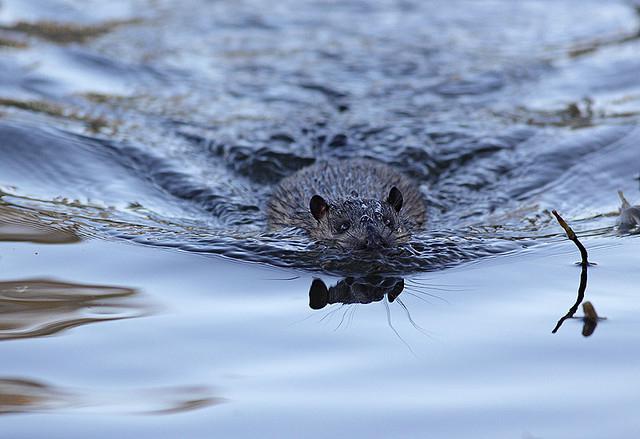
(166, 124)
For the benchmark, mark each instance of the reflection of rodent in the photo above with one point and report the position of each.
(351, 204)
(355, 290)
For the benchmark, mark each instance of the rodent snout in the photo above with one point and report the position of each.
(373, 239)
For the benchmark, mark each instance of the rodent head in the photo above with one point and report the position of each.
(360, 223)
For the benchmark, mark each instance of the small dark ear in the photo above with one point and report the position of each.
(397, 289)
(395, 199)
(318, 294)
(318, 207)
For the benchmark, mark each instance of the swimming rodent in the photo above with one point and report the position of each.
(351, 204)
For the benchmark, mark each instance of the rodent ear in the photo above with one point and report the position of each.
(318, 294)
(318, 207)
(395, 199)
(397, 289)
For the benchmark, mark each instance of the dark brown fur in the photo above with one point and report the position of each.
(357, 193)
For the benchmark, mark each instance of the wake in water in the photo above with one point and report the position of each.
(93, 182)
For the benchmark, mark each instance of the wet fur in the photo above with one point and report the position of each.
(352, 188)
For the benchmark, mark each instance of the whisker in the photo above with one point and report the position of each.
(442, 287)
(415, 325)
(424, 292)
(331, 312)
(409, 293)
(282, 278)
(342, 319)
(386, 305)
(353, 313)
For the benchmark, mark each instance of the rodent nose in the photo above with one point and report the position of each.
(374, 240)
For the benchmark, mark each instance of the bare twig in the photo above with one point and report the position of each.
(589, 311)
(572, 236)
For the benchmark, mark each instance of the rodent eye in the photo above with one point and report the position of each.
(343, 226)
(388, 222)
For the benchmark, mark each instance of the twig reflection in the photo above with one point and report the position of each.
(581, 289)
(42, 307)
(25, 395)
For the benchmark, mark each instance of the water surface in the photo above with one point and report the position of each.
(142, 295)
